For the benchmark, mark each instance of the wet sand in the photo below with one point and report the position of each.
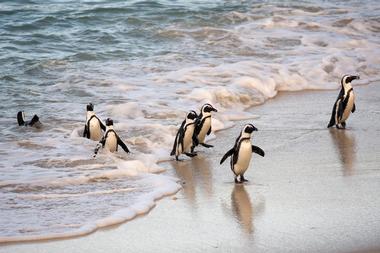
(316, 190)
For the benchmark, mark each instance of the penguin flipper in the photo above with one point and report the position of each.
(174, 146)
(229, 153)
(341, 106)
(353, 108)
(20, 119)
(177, 139)
(209, 131)
(332, 119)
(257, 150)
(99, 145)
(85, 131)
(122, 144)
(102, 126)
(35, 121)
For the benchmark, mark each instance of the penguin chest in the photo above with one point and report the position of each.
(206, 126)
(188, 138)
(244, 157)
(111, 142)
(95, 130)
(350, 105)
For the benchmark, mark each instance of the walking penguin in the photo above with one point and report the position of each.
(203, 126)
(241, 153)
(34, 122)
(110, 140)
(185, 136)
(94, 126)
(344, 104)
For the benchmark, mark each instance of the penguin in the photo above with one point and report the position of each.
(185, 136)
(34, 122)
(93, 126)
(241, 153)
(203, 126)
(110, 140)
(344, 104)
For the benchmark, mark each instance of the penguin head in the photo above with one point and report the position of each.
(109, 122)
(192, 115)
(90, 107)
(249, 128)
(20, 118)
(348, 79)
(208, 108)
(34, 120)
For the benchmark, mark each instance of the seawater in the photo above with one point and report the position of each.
(145, 64)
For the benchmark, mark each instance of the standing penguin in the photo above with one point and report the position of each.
(94, 126)
(185, 136)
(110, 140)
(344, 104)
(241, 153)
(203, 126)
(34, 122)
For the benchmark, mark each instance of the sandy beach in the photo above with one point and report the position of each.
(316, 190)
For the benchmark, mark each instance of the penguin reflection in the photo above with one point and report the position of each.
(242, 207)
(193, 173)
(345, 144)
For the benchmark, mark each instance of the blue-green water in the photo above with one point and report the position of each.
(145, 64)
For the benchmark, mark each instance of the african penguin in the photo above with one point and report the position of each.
(344, 104)
(203, 126)
(185, 136)
(241, 153)
(94, 126)
(34, 122)
(110, 140)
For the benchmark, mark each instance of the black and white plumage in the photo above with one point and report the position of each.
(110, 140)
(203, 126)
(344, 104)
(34, 122)
(184, 140)
(241, 153)
(94, 126)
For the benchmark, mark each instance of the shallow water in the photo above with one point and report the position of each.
(145, 64)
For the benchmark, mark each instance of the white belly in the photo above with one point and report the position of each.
(245, 154)
(95, 130)
(187, 140)
(204, 130)
(111, 142)
(349, 107)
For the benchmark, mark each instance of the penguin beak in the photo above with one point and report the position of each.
(351, 78)
(215, 110)
(255, 129)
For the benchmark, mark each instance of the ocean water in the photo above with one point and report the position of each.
(145, 64)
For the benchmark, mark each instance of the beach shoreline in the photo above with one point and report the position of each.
(314, 191)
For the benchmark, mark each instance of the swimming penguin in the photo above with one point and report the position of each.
(34, 122)
(110, 140)
(185, 136)
(94, 126)
(344, 104)
(241, 153)
(203, 126)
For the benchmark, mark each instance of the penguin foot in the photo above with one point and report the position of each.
(343, 125)
(206, 145)
(237, 181)
(191, 154)
(243, 179)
